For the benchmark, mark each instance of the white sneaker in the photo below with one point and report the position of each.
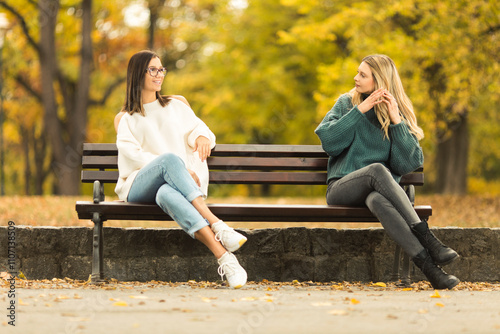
(235, 274)
(228, 237)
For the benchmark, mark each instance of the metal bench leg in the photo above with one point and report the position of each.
(405, 277)
(395, 265)
(97, 250)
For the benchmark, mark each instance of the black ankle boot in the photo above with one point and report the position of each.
(438, 278)
(440, 253)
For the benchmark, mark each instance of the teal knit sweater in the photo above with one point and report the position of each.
(354, 140)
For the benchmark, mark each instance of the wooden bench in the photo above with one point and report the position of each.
(235, 164)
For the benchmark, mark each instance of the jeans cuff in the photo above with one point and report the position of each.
(193, 195)
(195, 228)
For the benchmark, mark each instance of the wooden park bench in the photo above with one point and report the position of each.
(235, 164)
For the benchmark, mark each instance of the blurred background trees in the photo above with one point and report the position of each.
(256, 71)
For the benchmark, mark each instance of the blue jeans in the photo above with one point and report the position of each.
(373, 186)
(166, 182)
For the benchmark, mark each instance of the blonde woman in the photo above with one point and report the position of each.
(372, 138)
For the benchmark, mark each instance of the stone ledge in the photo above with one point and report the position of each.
(322, 255)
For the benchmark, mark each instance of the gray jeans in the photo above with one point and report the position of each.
(375, 187)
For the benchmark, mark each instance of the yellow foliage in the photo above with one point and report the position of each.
(481, 186)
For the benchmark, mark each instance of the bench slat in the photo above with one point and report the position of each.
(227, 163)
(256, 150)
(239, 212)
(251, 163)
(312, 178)
(267, 178)
(89, 176)
(97, 162)
(99, 149)
(274, 151)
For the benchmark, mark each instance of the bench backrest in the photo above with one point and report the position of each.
(237, 164)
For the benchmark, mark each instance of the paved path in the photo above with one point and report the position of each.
(75, 307)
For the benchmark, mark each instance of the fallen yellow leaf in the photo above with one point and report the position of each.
(120, 304)
(436, 294)
(440, 304)
(355, 301)
(380, 284)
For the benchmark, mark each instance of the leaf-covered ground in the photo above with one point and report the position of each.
(460, 211)
(113, 284)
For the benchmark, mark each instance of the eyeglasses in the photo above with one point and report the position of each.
(153, 71)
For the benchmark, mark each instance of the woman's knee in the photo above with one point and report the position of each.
(379, 171)
(170, 159)
(164, 195)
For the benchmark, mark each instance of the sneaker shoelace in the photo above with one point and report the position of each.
(218, 235)
(223, 269)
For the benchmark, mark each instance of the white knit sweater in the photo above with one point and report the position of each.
(170, 129)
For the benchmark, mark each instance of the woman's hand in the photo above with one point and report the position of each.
(195, 177)
(202, 146)
(375, 98)
(392, 105)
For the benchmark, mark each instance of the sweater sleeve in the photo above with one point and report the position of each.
(406, 153)
(196, 127)
(131, 156)
(336, 131)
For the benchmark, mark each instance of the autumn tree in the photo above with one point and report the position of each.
(59, 76)
(65, 130)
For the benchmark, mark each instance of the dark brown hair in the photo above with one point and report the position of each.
(136, 72)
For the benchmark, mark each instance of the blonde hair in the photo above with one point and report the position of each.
(385, 75)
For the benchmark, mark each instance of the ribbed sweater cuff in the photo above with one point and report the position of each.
(355, 114)
(399, 130)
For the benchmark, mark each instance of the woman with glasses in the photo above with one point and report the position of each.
(372, 138)
(162, 153)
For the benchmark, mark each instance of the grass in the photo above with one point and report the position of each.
(459, 211)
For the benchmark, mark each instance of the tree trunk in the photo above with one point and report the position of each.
(452, 158)
(48, 10)
(25, 135)
(78, 114)
(40, 150)
(154, 8)
(65, 138)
